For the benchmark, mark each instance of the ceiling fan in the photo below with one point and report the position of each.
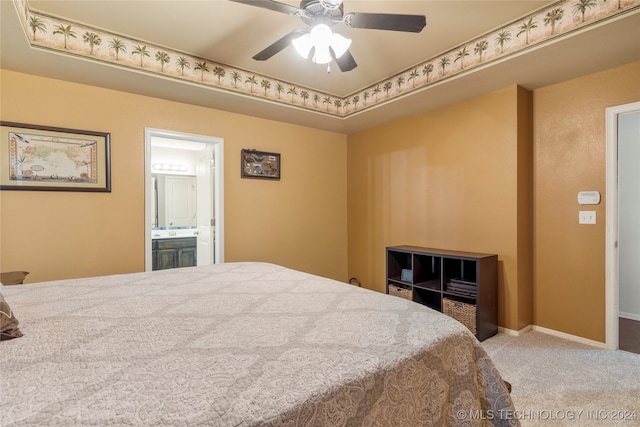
(320, 16)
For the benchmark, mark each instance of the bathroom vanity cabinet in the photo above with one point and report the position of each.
(173, 253)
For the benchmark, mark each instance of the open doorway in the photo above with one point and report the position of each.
(623, 228)
(183, 199)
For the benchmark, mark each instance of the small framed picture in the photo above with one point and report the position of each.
(260, 164)
(48, 158)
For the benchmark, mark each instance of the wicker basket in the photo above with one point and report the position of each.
(462, 312)
(400, 292)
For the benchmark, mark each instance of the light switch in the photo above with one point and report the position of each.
(587, 217)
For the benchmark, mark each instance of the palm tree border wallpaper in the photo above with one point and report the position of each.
(557, 20)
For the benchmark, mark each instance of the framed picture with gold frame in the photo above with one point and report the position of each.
(46, 158)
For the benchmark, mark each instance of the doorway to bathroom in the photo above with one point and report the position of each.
(184, 223)
(623, 227)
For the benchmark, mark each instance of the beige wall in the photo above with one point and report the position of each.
(447, 179)
(299, 221)
(465, 177)
(472, 176)
(569, 157)
(525, 210)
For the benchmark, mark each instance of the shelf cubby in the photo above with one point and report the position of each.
(464, 285)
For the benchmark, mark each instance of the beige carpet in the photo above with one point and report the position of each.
(557, 382)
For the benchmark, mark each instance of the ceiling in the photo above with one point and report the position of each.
(231, 33)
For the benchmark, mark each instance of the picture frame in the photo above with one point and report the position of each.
(46, 158)
(260, 164)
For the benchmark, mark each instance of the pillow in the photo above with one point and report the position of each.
(13, 277)
(8, 322)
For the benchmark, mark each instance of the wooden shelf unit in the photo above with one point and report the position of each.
(463, 285)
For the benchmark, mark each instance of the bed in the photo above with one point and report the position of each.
(239, 344)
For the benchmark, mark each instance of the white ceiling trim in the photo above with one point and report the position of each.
(547, 25)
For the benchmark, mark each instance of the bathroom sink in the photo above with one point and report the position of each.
(171, 234)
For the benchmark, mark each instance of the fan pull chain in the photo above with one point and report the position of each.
(328, 68)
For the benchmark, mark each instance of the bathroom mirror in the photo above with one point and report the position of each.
(174, 201)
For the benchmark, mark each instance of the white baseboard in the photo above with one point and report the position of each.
(555, 333)
(570, 337)
(515, 333)
(630, 316)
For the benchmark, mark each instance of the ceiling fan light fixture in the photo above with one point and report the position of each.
(340, 44)
(322, 55)
(303, 45)
(326, 13)
(321, 38)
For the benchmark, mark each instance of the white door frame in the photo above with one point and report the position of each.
(611, 266)
(218, 147)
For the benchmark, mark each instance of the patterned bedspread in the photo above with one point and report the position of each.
(239, 344)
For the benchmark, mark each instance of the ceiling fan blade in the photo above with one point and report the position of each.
(277, 46)
(346, 62)
(386, 21)
(275, 6)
